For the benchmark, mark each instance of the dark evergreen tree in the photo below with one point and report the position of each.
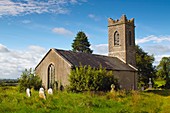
(81, 43)
(144, 63)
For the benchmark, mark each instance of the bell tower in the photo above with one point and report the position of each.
(121, 34)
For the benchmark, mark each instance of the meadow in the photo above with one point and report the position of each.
(153, 101)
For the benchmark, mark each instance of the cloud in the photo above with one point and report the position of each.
(62, 31)
(156, 45)
(3, 49)
(14, 62)
(26, 21)
(158, 49)
(94, 17)
(23, 7)
(100, 49)
(159, 57)
(153, 38)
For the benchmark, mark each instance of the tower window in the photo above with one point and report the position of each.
(130, 38)
(116, 39)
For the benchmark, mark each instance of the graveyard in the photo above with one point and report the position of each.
(150, 101)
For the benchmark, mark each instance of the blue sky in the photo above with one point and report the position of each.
(29, 28)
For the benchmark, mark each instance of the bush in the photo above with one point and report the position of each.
(87, 78)
(28, 79)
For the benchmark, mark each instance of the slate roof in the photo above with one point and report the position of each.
(110, 63)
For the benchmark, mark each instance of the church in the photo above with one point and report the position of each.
(56, 65)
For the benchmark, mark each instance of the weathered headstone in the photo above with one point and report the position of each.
(42, 93)
(50, 91)
(112, 88)
(150, 83)
(28, 92)
(142, 88)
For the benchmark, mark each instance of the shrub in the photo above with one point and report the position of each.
(28, 79)
(85, 78)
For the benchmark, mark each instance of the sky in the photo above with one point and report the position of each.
(29, 28)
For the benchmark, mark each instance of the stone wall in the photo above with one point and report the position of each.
(127, 79)
(62, 69)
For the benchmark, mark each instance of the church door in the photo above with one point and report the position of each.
(51, 76)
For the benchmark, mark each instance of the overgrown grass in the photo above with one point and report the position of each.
(62, 102)
(160, 82)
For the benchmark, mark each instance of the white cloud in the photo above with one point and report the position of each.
(62, 31)
(73, 1)
(3, 49)
(158, 49)
(100, 49)
(159, 57)
(153, 38)
(156, 45)
(14, 62)
(94, 17)
(26, 21)
(19, 7)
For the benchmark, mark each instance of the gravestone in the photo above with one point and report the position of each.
(150, 83)
(42, 93)
(112, 88)
(50, 91)
(28, 92)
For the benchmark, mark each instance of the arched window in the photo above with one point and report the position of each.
(130, 38)
(116, 39)
(51, 76)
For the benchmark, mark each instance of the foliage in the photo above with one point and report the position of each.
(164, 70)
(8, 82)
(144, 63)
(85, 78)
(28, 79)
(159, 83)
(12, 101)
(81, 43)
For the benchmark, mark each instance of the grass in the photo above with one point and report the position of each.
(159, 82)
(153, 101)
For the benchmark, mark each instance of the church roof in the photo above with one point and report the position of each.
(79, 58)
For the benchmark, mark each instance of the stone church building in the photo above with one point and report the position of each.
(55, 67)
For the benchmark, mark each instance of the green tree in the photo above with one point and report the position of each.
(163, 70)
(144, 63)
(28, 79)
(81, 43)
(85, 78)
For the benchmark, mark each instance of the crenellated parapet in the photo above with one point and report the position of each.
(122, 20)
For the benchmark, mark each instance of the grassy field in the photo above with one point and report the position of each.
(155, 101)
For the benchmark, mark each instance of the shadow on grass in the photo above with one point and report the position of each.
(160, 92)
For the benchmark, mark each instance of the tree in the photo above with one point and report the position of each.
(28, 79)
(163, 70)
(86, 78)
(144, 63)
(81, 43)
